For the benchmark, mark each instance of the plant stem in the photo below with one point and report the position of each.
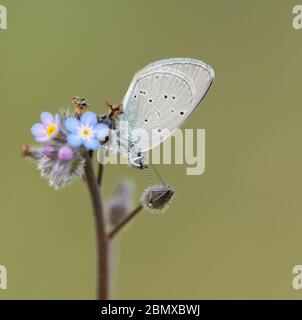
(124, 221)
(100, 174)
(101, 237)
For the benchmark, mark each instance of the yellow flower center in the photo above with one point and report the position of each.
(51, 129)
(86, 132)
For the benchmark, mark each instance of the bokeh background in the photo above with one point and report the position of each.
(232, 233)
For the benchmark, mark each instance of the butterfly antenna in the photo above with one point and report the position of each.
(158, 175)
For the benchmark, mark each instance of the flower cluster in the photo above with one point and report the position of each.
(64, 139)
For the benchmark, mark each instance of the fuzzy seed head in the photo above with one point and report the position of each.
(157, 197)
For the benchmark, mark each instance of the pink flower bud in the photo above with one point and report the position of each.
(65, 154)
(48, 150)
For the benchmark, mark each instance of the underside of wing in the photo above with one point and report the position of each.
(162, 96)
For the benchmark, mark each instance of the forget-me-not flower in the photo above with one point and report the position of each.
(86, 131)
(48, 129)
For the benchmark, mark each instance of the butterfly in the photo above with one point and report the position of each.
(159, 99)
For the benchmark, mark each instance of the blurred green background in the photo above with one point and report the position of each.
(235, 231)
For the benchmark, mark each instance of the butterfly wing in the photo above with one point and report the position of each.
(161, 97)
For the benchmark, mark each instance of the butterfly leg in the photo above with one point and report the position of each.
(138, 161)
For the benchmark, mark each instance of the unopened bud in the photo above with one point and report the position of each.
(120, 204)
(157, 197)
(27, 151)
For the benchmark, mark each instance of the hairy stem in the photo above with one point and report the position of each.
(128, 218)
(101, 236)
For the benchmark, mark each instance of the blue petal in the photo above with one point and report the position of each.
(57, 120)
(47, 118)
(38, 130)
(91, 144)
(72, 124)
(43, 139)
(89, 119)
(102, 131)
(74, 140)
